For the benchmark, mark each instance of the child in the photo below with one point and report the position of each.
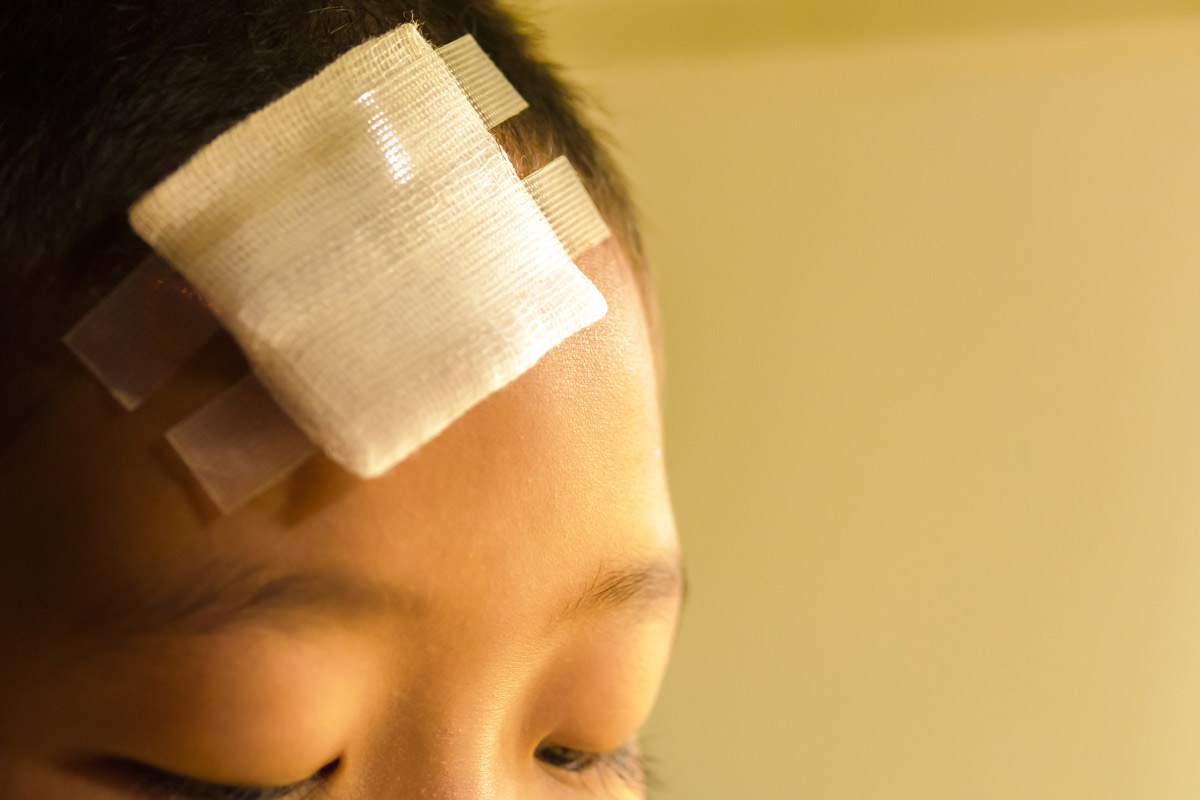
(491, 618)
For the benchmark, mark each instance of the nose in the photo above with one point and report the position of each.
(462, 764)
(466, 745)
(448, 766)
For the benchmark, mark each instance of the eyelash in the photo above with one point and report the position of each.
(156, 784)
(626, 763)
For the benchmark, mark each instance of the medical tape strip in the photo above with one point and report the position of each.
(240, 444)
(142, 331)
(567, 206)
(375, 255)
(493, 97)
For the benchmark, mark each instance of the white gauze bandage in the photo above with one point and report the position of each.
(371, 248)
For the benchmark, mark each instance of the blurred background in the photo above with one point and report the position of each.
(929, 275)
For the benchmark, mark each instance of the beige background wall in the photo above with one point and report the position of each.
(930, 279)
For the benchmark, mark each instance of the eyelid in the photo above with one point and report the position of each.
(155, 783)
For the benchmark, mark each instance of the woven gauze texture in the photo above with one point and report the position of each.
(371, 248)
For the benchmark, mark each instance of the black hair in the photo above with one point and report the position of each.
(100, 100)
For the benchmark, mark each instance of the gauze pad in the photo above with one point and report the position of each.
(242, 442)
(372, 250)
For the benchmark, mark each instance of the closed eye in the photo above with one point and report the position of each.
(154, 783)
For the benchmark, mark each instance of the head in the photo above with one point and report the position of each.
(491, 618)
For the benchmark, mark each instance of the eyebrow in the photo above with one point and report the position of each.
(646, 587)
(224, 594)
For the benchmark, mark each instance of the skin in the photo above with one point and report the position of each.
(471, 626)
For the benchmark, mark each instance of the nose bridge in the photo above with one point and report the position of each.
(459, 767)
(464, 759)
(454, 736)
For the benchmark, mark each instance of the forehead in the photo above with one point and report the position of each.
(553, 475)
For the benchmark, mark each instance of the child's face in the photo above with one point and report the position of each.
(513, 584)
